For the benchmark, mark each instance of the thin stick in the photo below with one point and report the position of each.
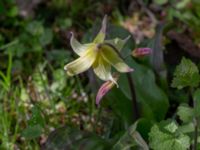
(195, 133)
(133, 95)
(147, 11)
(196, 123)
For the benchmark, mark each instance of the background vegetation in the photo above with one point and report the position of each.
(42, 108)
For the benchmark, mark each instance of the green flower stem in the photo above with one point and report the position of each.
(133, 95)
(195, 133)
(196, 123)
(131, 85)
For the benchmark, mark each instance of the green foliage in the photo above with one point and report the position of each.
(68, 137)
(196, 98)
(160, 2)
(185, 113)
(186, 74)
(130, 138)
(37, 97)
(187, 12)
(166, 138)
(154, 102)
(71, 138)
(32, 132)
(35, 124)
(6, 78)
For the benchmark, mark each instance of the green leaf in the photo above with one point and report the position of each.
(185, 113)
(157, 56)
(35, 124)
(70, 138)
(121, 105)
(64, 23)
(13, 11)
(35, 28)
(32, 132)
(160, 2)
(182, 4)
(130, 138)
(186, 128)
(171, 127)
(59, 81)
(160, 140)
(46, 37)
(153, 101)
(186, 74)
(36, 118)
(196, 98)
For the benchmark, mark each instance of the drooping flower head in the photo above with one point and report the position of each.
(105, 88)
(100, 54)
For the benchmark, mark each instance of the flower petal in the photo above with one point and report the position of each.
(81, 64)
(111, 56)
(103, 90)
(118, 43)
(77, 46)
(102, 33)
(102, 68)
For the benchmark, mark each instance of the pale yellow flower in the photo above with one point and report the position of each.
(101, 54)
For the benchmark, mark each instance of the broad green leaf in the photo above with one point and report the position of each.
(13, 11)
(36, 118)
(196, 99)
(186, 74)
(35, 124)
(171, 127)
(129, 139)
(160, 140)
(186, 128)
(35, 28)
(157, 56)
(59, 81)
(2, 8)
(64, 23)
(181, 4)
(185, 113)
(73, 139)
(46, 37)
(121, 105)
(152, 100)
(160, 2)
(32, 132)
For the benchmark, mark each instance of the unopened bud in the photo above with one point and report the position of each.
(139, 52)
(105, 88)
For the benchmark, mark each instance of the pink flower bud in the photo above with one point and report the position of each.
(105, 88)
(139, 52)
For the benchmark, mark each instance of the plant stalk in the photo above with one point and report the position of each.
(133, 95)
(130, 82)
(195, 133)
(196, 123)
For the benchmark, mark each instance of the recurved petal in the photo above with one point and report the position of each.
(102, 33)
(112, 57)
(81, 64)
(102, 68)
(77, 46)
(105, 88)
(118, 43)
